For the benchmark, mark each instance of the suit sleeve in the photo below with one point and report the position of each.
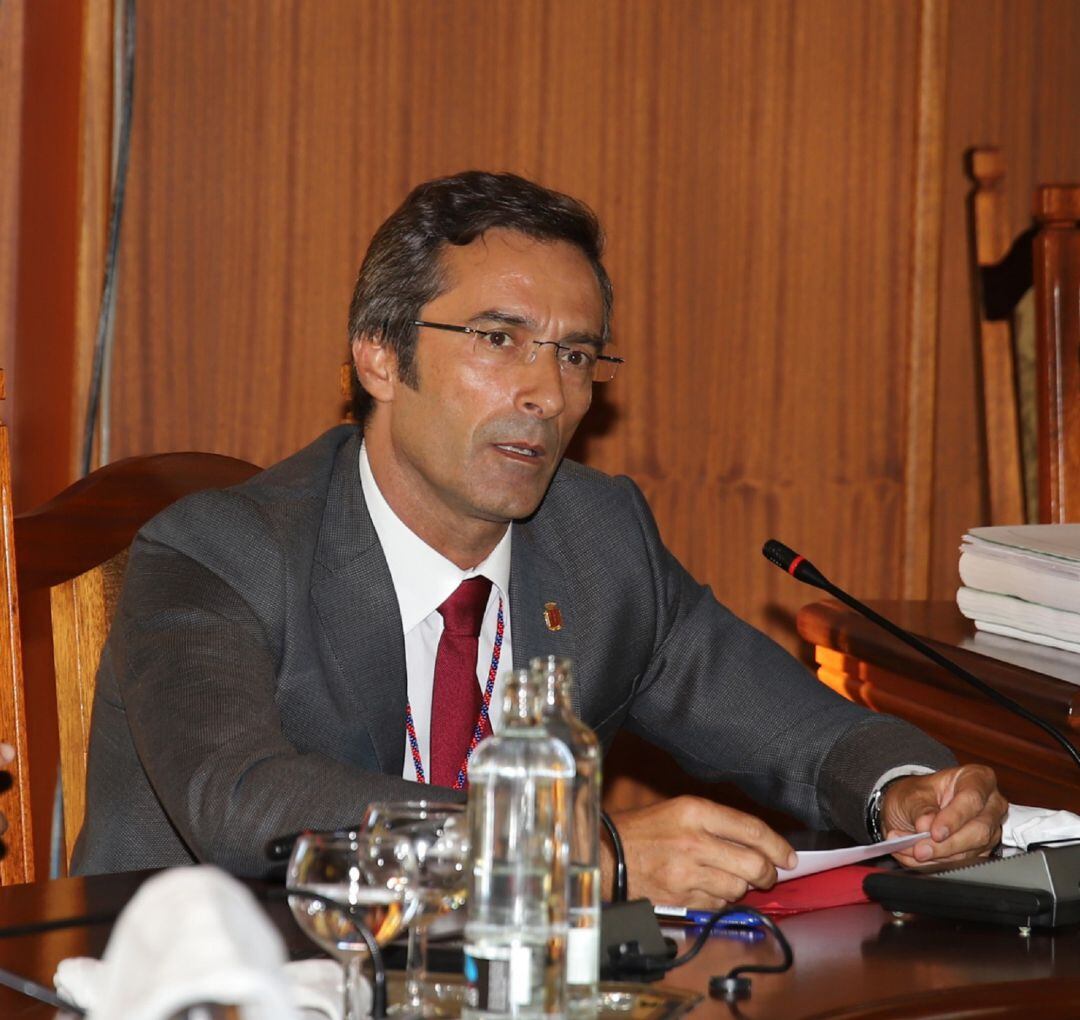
(728, 703)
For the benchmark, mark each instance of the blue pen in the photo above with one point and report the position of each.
(736, 919)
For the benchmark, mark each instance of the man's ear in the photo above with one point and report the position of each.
(376, 366)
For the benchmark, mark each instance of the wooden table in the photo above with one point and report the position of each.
(849, 961)
(867, 665)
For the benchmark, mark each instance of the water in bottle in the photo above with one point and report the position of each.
(520, 786)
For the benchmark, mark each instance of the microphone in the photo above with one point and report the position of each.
(797, 566)
(803, 570)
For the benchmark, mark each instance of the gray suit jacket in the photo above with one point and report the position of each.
(253, 683)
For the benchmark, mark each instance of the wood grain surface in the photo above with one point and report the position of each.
(756, 168)
(757, 196)
(11, 80)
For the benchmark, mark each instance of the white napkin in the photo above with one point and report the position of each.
(1026, 825)
(195, 935)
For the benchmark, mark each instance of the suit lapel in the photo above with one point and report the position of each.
(539, 602)
(353, 596)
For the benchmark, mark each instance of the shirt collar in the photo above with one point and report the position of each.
(423, 578)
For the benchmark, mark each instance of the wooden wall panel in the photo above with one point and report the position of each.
(1013, 81)
(50, 220)
(11, 66)
(752, 163)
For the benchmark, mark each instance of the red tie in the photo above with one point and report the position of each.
(456, 698)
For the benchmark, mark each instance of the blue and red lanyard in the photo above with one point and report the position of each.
(482, 720)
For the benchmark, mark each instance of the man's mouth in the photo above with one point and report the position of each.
(520, 450)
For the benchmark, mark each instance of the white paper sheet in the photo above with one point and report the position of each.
(812, 861)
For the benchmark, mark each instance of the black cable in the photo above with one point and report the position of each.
(116, 215)
(733, 985)
(378, 974)
(619, 884)
(699, 942)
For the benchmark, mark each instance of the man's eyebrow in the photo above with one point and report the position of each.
(501, 317)
(505, 318)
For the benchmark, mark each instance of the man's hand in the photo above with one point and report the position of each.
(690, 852)
(961, 808)
(7, 756)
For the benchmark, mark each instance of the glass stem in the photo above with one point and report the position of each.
(414, 970)
(354, 1007)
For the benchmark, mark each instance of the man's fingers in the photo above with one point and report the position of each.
(747, 865)
(963, 846)
(961, 808)
(971, 796)
(912, 808)
(741, 829)
(979, 835)
(702, 887)
(694, 853)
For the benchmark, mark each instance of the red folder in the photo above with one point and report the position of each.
(836, 888)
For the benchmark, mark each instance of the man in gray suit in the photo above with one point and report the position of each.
(284, 651)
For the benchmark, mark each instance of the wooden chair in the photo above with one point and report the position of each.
(1045, 257)
(76, 545)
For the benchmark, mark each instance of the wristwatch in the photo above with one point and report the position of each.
(873, 810)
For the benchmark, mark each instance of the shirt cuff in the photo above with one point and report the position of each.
(898, 773)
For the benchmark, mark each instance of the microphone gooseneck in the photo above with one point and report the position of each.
(803, 570)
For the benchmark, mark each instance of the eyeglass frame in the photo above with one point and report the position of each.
(608, 358)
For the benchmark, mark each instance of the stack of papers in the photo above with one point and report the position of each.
(1023, 581)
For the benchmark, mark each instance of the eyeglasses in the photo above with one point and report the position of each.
(579, 363)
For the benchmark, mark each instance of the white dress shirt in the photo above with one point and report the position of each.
(423, 579)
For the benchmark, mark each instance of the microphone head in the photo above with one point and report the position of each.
(778, 553)
(792, 563)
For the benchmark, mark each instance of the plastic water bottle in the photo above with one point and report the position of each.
(555, 675)
(520, 785)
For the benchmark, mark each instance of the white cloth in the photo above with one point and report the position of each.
(197, 935)
(423, 579)
(1026, 825)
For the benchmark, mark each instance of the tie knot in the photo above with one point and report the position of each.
(463, 611)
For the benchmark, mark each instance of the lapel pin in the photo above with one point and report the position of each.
(552, 616)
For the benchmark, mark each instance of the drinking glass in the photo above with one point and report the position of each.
(436, 833)
(340, 883)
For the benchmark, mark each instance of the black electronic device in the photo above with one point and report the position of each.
(632, 947)
(1036, 889)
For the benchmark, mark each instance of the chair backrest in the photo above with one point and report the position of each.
(76, 545)
(82, 610)
(1045, 258)
(1057, 360)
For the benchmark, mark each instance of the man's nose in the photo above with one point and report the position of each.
(540, 390)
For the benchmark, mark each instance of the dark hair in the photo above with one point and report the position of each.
(401, 271)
